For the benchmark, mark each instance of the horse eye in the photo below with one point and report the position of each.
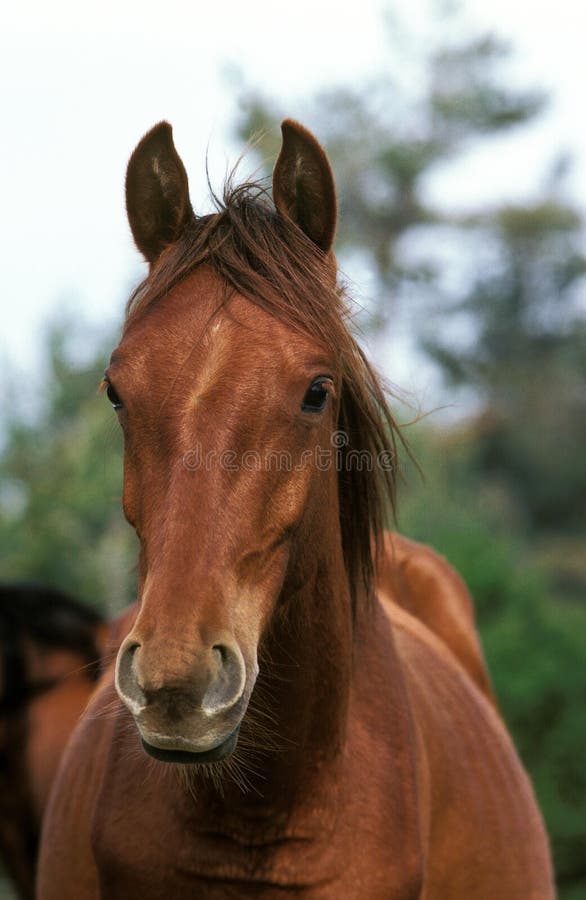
(113, 397)
(316, 397)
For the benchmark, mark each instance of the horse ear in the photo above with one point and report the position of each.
(157, 193)
(303, 185)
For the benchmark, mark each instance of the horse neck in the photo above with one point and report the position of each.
(305, 659)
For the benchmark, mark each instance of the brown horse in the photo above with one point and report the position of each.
(49, 666)
(335, 747)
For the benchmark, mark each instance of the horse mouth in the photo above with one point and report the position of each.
(188, 757)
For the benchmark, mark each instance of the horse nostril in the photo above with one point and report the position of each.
(131, 651)
(222, 652)
(227, 683)
(128, 683)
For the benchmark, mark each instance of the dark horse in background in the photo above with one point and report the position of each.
(274, 725)
(50, 650)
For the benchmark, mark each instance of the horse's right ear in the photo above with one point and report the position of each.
(303, 185)
(157, 193)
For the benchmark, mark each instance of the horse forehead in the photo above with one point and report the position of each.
(194, 323)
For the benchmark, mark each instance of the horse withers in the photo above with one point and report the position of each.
(272, 725)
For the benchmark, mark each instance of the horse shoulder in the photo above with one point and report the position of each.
(67, 869)
(423, 583)
(483, 832)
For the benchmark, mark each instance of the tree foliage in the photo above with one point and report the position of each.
(527, 362)
(60, 486)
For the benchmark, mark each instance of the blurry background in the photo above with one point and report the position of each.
(457, 136)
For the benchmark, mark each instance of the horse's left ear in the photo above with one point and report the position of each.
(157, 193)
(303, 185)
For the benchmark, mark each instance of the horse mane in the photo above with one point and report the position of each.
(269, 260)
(49, 617)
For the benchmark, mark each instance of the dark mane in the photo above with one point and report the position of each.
(49, 617)
(269, 260)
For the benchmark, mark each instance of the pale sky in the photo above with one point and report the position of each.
(81, 82)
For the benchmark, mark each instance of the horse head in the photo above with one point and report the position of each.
(228, 383)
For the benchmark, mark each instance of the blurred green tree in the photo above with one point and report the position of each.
(61, 483)
(527, 359)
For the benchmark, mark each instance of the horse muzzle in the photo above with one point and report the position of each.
(185, 714)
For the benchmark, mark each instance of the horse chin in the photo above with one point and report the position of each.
(166, 752)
